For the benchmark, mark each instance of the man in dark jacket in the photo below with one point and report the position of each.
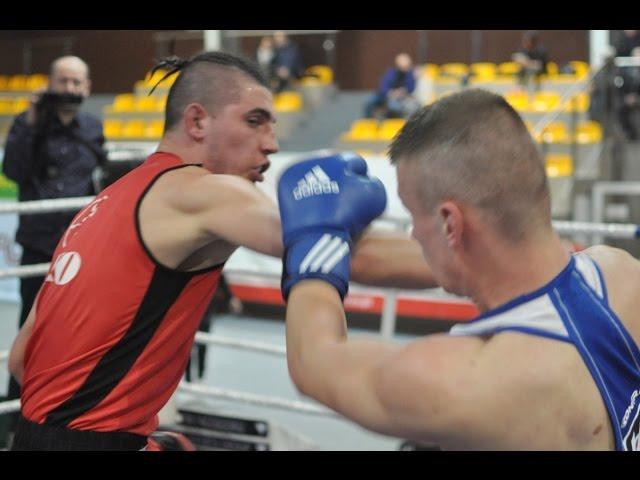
(287, 62)
(51, 152)
(394, 97)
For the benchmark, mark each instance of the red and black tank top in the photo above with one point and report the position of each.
(114, 328)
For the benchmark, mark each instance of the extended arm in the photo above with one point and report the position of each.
(390, 259)
(235, 210)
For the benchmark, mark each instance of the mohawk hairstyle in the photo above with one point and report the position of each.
(205, 79)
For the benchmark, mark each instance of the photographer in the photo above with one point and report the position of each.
(51, 152)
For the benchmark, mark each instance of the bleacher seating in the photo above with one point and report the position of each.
(571, 144)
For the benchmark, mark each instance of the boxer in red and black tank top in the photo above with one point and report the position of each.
(112, 328)
(112, 353)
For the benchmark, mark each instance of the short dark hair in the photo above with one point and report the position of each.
(472, 146)
(206, 78)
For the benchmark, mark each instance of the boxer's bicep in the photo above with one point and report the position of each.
(243, 216)
(428, 387)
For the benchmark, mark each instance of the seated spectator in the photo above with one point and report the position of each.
(265, 55)
(394, 98)
(532, 58)
(287, 62)
(630, 96)
(625, 45)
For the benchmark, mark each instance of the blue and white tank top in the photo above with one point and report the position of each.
(574, 308)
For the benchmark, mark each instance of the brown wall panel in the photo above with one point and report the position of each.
(120, 57)
(562, 45)
(117, 58)
(447, 46)
(362, 56)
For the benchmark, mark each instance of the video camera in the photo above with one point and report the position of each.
(53, 99)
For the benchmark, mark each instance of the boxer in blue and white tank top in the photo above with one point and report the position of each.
(551, 363)
(574, 308)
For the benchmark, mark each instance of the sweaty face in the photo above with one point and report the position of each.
(241, 136)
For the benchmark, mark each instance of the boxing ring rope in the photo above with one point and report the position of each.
(10, 406)
(224, 394)
(612, 230)
(259, 400)
(209, 339)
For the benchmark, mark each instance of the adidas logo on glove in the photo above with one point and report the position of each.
(315, 182)
(325, 254)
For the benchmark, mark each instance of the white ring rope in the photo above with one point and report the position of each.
(10, 406)
(613, 230)
(207, 338)
(254, 399)
(224, 394)
(45, 206)
(23, 271)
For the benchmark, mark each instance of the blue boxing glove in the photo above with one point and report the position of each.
(324, 203)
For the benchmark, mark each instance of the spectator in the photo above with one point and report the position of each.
(625, 45)
(287, 62)
(630, 99)
(265, 55)
(51, 152)
(532, 58)
(394, 98)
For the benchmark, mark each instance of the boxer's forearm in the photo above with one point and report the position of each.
(342, 375)
(389, 259)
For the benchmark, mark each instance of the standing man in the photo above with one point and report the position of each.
(51, 152)
(552, 362)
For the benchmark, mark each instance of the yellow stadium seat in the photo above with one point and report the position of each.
(112, 129)
(6, 106)
(558, 165)
(363, 129)
(552, 68)
(588, 132)
(454, 69)
(484, 70)
(161, 103)
(581, 68)
(20, 104)
(431, 70)
(518, 99)
(389, 128)
(323, 73)
(17, 83)
(157, 75)
(288, 102)
(123, 103)
(3, 82)
(145, 104)
(545, 101)
(555, 132)
(154, 129)
(578, 103)
(36, 81)
(509, 68)
(133, 129)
